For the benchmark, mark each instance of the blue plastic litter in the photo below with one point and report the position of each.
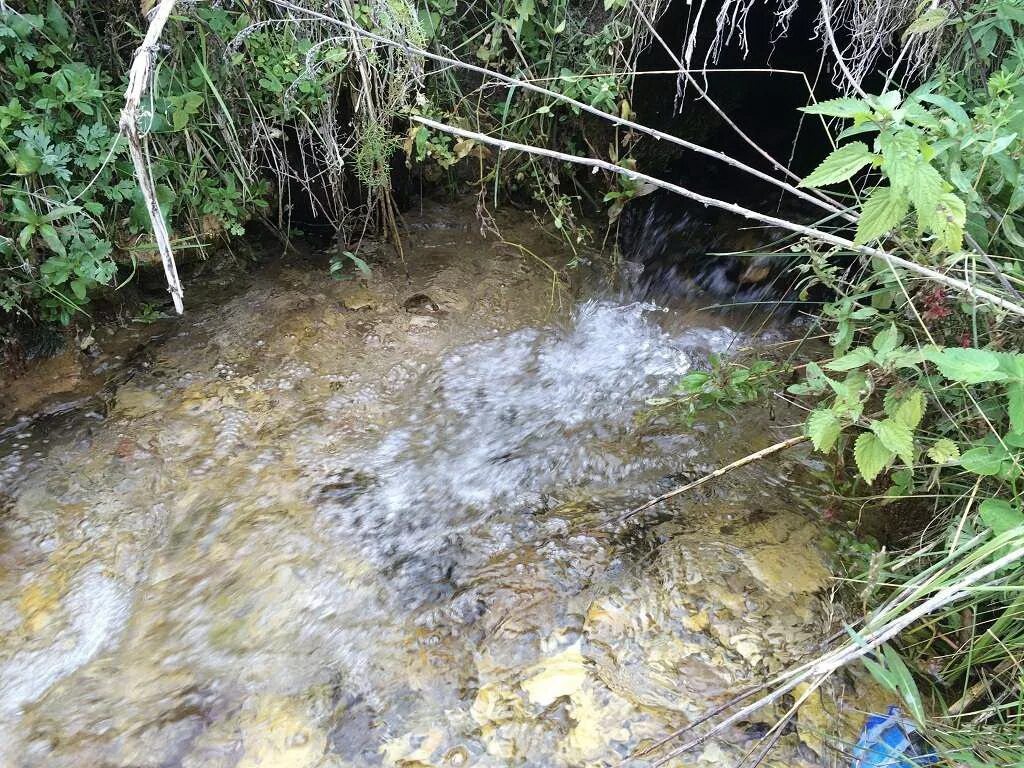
(891, 741)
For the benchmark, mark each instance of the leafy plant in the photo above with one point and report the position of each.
(726, 384)
(341, 263)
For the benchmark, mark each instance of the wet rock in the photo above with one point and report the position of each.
(361, 299)
(135, 402)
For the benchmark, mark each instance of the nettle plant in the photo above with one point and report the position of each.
(957, 164)
(920, 411)
(936, 176)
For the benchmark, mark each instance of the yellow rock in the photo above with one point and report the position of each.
(560, 675)
(697, 622)
(787, 569)
(813, 721)
(360, 298)
(134, 403)
(713, 754)
(494, 703)
(596, 727)
(278, 733)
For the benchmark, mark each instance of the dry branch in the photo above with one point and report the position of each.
(815, 199)
(961, 286)
(142, 65)
(748, 459)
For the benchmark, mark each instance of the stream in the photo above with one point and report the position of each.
(320, 525)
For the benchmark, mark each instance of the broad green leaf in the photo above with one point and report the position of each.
(909, 409)
(26, 235)
(897, 437)
(60, 212)
(838, 108)
(1015, 406)
(871, 456)
(970, 366)
(26, 160)
(888, 101)
(883, 210)
(1009, 230)
(78, 287)
(924, 187)
(944, 451)
(841, 165)
(1014, 439)
(886, 340)
(823, 427)
(949, 220)
(999, 144)
(927, 21)
(983, 460)
(901, 156)
(52, 239)
(855, 358)
(950, 107)
(1000, 515)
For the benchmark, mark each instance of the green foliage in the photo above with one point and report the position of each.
(341, 263)
(725, 385)
(570, 48)
(925, 388)
(71, 217)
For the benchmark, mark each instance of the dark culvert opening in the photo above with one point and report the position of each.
(759, 80)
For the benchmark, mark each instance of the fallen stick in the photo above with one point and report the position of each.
(142, 65)
(748, 459)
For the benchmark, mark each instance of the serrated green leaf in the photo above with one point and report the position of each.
(897, 437)
(871, 456)
(1000, 515)
(910, 411)
(969, 366)
(855, 358)
(838, 108)
(924, 188)
(944, 451)
(949, 221)
(906, 406)
(886, 340)
(841, 165)
(883, 210)
(823, 427)
(901, 154)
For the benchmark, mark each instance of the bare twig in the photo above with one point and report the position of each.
(961, 286)
(141, 68)
(750, 458)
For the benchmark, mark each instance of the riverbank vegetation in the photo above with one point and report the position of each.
(287, 114)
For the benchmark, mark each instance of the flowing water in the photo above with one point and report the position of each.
(318, 525)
